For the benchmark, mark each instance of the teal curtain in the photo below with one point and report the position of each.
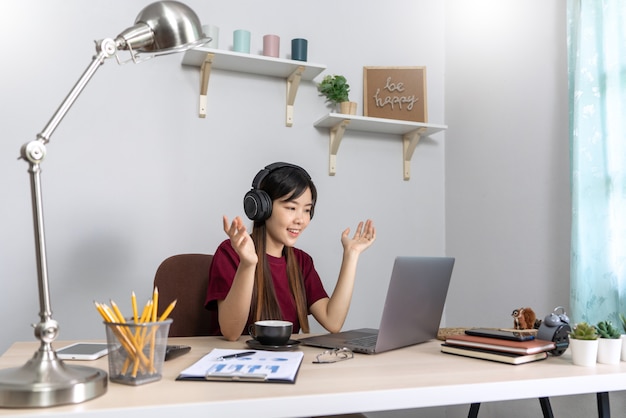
(597, 98)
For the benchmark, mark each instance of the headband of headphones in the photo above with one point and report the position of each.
(273, 167)
(256, 203)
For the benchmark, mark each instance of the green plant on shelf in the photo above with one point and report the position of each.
(607, 330)
(584, 331)
(335, 88)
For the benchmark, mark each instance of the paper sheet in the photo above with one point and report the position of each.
(262, 366)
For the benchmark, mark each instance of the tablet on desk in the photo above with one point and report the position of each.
(83, 351)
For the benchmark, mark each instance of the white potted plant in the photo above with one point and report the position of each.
(584, 344)
(609, 344)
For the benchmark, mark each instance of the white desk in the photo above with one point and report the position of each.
(413, 377)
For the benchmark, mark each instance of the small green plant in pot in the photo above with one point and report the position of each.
(610, 345)
(583, 344)
(584, 331)
(336, 90)
(607, 330)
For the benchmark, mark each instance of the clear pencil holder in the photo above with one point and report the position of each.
(136, 351)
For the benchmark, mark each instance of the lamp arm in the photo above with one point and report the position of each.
(104, 49)
(34, 152)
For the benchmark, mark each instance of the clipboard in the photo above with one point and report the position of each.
(259, 366)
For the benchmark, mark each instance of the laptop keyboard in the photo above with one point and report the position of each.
(366, 341)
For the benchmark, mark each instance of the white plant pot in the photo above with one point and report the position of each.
(584, 352)
(623, 347)
(609, 350)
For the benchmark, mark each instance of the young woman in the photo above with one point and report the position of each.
(263, 276)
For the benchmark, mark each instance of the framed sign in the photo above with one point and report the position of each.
(395, 93)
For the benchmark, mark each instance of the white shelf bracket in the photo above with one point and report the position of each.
(205, 73)
(409, 142)
(336, 134)
(293, 81)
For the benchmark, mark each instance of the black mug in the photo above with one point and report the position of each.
(271, 332)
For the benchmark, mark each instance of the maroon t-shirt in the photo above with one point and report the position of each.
(222, 274)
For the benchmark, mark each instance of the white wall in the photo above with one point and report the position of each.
(507, 159)
(133, 175)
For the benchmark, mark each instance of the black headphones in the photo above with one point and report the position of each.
(257, 204)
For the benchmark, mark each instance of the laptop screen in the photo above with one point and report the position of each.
(412, 311)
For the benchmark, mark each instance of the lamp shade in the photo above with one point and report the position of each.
(163, 27)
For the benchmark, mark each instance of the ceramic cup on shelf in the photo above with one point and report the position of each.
(271, 46)
(241, 41)
(212, 32)
(299, 49)
(271, 332)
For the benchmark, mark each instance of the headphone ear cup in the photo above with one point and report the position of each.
(257, 205)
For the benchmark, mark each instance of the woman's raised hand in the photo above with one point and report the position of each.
(240, 240)
(364, 236)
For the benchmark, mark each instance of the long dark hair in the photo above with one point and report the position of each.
(286, 183)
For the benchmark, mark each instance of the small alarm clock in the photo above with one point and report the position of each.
(555, 327)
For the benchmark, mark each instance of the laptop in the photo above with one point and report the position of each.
(412, 311)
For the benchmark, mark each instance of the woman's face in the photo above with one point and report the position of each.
(288, 220)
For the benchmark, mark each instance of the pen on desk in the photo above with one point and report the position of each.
(237, 355)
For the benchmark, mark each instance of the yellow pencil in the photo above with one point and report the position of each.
(167, 311)
(133, 299)
(109, 312)
(133, 342)
(147, 312)
(155, 309)
(124, 339)
(141, 331)
(128, 340)
(155, 303)
(101, 311)
(118, 313)
(145, 317)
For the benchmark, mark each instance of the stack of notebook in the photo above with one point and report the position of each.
(497, 348)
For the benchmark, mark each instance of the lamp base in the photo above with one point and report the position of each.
(47, 381)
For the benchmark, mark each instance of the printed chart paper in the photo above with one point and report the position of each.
(262, 366)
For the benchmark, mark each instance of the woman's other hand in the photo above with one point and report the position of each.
(364, 236)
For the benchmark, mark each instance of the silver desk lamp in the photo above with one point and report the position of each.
(161, 28)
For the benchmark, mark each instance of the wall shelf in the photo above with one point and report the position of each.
(411, 133)
(292, 71)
